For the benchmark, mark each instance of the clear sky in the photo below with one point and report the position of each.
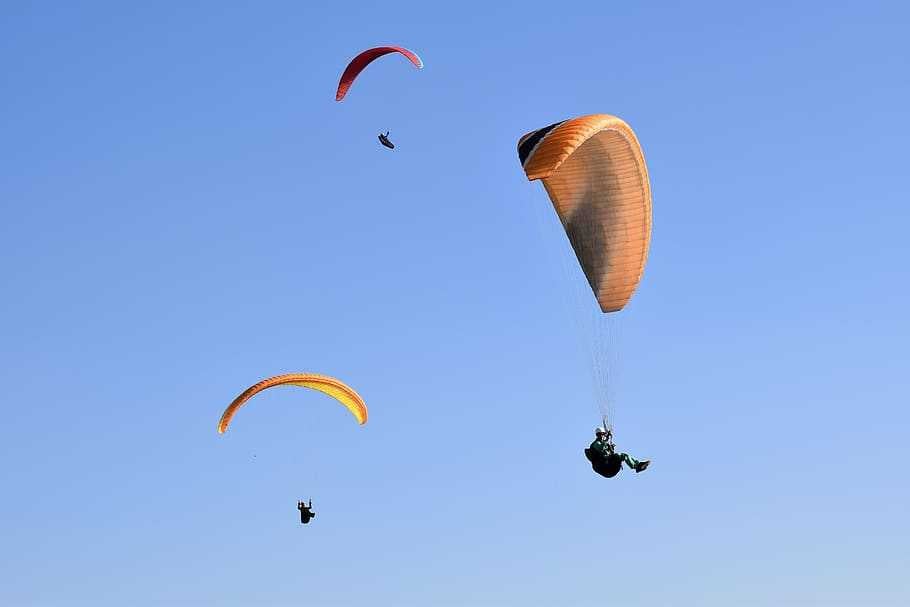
(186, 210)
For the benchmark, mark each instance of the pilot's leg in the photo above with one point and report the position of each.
(637, 465)
(629, 460)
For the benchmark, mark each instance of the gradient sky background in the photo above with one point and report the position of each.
(187, 210)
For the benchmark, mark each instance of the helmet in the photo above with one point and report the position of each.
(599, 430)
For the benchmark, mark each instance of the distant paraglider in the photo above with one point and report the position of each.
(360, 62)
(330, 386)
(338, 390)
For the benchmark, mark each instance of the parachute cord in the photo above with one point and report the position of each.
(597, 332)
(601, 332)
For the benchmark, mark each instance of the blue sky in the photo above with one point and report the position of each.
(187, 210)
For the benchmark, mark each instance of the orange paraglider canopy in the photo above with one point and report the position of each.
(594, 171)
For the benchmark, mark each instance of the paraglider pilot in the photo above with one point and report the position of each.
(384, 140)
(306, 511)
(604, 459)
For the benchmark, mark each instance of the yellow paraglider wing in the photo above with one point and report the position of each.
(323, 383)
(594, 171)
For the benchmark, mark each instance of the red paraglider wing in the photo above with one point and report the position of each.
(362, 60)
